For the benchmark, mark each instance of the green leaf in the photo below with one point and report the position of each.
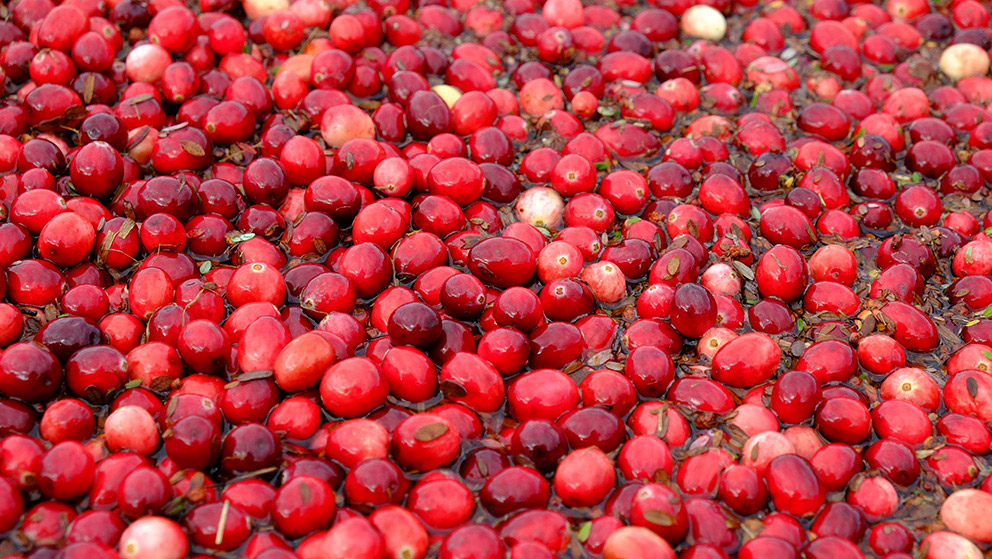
(205, 266)
(133, 384)
(602, 166)
(917, 177)
(800, 324)
(632, 220)
(755, 213)
(607, 111)
(584, 531)
(987, 354)
(235, 237)
(987, 313)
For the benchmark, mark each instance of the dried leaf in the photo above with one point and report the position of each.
(673, 265)
(429, 432)
(868, 325)
(469, 242)
(75, 112)
(192, 148)
(161, 384)
(255, 375)
(140, 137)
(452, 389)
(659, 518)
(140, 98)
(743, 270)
(598, 359)
(88, 87)
(949, 336)
(661, 476)
(222, 523)
(972, 385)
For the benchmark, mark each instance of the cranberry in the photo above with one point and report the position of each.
(793, 486)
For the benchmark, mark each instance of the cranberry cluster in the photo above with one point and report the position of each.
(461, 279)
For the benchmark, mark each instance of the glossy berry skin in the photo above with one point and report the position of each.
(66, 472)
(424, 441)
(793, 486)
(303, 505)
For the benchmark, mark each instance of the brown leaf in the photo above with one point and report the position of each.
(972, 385)
(659, 518)
(598, 359)
(949, 336)
(452, 389)
(88, 87)
(75, 112)
(161, 384)
(572, 367)
(255, 375)
(429, 432)
(319, 246)
(469, 242)
(743, 270)
(140, 137)
(51, 312)
(673, 266)
(506, 215)
(192, 148)
(663, 420)
(868, 325)
(93, 394)
(693, 228)
(140, 98)
(661, 476)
